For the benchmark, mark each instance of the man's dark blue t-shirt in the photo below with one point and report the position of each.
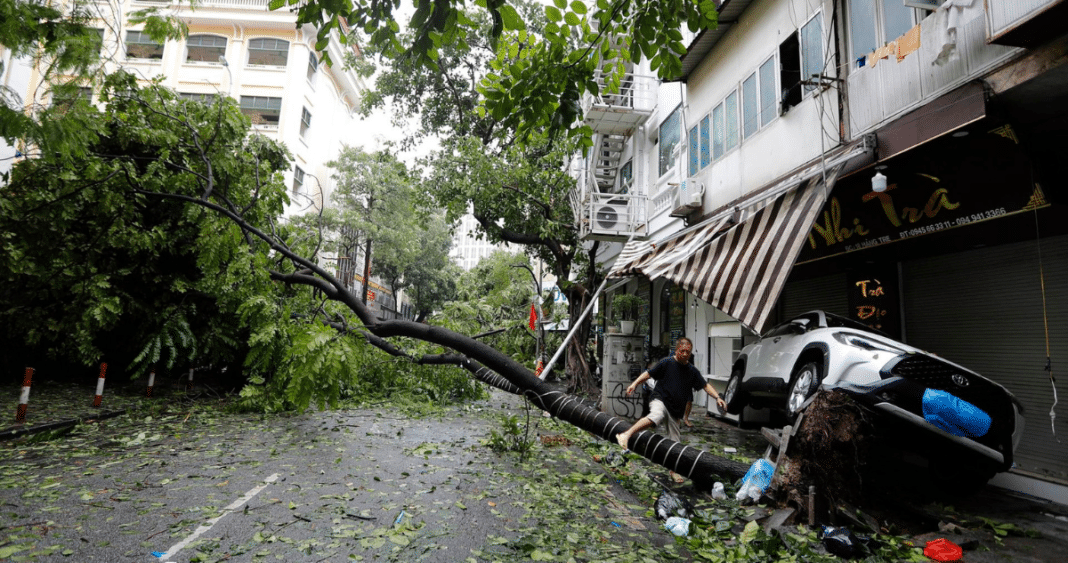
(675, 384)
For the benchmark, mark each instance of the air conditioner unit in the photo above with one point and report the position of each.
(689, 198)
(611, 216)
(692, 191)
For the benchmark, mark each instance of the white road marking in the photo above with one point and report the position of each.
(207, 526)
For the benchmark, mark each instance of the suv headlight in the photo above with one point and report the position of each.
(858, 341)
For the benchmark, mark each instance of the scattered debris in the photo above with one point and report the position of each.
(669, 504)
(942, 549)
(678, 526)
(841, 542)
(755, 481)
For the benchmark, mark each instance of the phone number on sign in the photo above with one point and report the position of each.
(974, 217)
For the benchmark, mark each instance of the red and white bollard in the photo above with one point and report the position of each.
(189, 384)
(24, 398)
(100, 385)
(151, 383)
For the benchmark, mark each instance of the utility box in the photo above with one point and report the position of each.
(623, 362)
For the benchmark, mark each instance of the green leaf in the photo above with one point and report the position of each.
(578, 7)
(553, 14)
(512, 20)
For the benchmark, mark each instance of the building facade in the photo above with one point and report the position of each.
(241, 49)
(742, 194)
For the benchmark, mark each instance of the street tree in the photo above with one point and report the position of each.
(541, 88)
(135, 281)
(516, 188)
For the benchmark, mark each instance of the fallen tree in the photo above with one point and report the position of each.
(146, 144)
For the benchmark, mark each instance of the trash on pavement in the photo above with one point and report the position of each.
(669, 504)
(843, 543)
(615, 459)
(943, 550)
(717, 491)
(756, 480)
(678, 526)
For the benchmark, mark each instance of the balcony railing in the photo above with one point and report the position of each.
(886, 88)
(620, 113)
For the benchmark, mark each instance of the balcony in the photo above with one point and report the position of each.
(620, 113)
(885, 88)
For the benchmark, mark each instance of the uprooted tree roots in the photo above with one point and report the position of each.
(826, 451)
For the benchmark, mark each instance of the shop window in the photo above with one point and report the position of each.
(261, 110)
(268, 52)
(140, 46)
(205, 48)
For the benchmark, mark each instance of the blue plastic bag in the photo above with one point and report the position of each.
(756, 480)
(954, 415)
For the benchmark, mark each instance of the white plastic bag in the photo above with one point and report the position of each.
(678, 526)
(717, 491)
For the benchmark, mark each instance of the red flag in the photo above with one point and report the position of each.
(533, 316)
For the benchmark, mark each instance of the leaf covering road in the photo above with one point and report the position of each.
(365, 483)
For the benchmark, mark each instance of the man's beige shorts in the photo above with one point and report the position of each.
(659, 413)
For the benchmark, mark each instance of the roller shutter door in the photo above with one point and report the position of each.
(983, 309)
(829, 293)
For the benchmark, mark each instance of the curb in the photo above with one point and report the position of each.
(18, 432)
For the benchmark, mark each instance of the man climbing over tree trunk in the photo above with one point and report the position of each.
(676, 379)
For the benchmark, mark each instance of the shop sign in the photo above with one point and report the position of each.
(924, 196)
(873, 299)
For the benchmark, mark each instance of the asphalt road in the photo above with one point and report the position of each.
(363, 485)
(180, 482)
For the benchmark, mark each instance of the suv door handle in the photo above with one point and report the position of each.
(777, 338)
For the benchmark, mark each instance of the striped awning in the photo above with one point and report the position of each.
(739, 259)
(742, 269)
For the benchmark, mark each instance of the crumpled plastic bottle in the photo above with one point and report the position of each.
(756, 480)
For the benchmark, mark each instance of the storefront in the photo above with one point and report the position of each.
(965, 255)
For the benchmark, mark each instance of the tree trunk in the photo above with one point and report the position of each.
(700, 466)
(366, 272)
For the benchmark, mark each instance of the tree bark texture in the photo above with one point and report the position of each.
(699, 465)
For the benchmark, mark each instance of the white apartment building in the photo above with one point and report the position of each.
(259, 57)
(467, 248)
(742, 194)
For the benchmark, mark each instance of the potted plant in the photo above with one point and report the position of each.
(625, 307)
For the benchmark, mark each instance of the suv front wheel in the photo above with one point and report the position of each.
(806, 382)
